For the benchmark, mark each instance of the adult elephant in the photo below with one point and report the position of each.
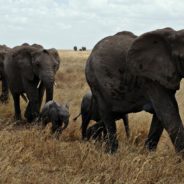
(127, 74)
(4, 94)
(31, 69)
(41, 86)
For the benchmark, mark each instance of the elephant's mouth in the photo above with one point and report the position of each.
(48, 86)
(39, 83)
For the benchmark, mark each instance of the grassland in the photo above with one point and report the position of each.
(31, 155)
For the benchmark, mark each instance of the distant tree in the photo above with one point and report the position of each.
(75, 48)
(84, 48)
(80, 49)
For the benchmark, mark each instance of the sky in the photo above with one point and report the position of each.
(65, 23)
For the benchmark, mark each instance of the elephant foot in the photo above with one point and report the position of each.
(111, 146)
(84, 138)
(17, 117)
(150, 145)
(94, 132)
(31, 116)
(29, 119)
(56, 132)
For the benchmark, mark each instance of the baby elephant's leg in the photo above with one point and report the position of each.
(44, 123)
(95, 131)
(56, 128)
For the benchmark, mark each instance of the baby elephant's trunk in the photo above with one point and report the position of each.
(57, 130)
(65, 125)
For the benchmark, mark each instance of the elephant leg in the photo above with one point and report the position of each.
(95, 131)
(32, 110)
(44, 123)
(110, 125)
(104, 133)
(29, 112)
(155, 132)
(126, 125)
(98, 131)
(85, 122)
(166, 108)
(16, 99)
(56, 129)
(4, 95)
(112, 143)
(28, 109)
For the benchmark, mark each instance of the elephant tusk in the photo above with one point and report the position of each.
(55, 84)
(39, 84)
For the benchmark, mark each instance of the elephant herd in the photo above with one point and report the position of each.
(126, 74)
(27, 71)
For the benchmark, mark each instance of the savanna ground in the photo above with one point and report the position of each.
(31, 155)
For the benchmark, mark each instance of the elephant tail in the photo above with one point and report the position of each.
(77, 117)
(24, 97)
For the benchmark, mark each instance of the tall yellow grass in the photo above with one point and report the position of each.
(31, 155)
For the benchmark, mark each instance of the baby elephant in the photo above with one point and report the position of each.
(89, 111)
(57, 114)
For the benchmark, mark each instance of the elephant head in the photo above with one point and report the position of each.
(158, 56)
(41, 67)
(45, 66)
(55, 54)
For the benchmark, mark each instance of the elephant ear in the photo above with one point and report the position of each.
(26, 68)
(26, 56)
(2, 57)
(55, 54)
(150, 57)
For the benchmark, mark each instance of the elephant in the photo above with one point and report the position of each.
(128, 74)
(89, 111)
(57, 114)
(31, 70)
(4, 94)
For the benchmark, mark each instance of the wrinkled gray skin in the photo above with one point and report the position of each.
(4, 94)
(128, 74)
(57, 114)
(89, 111)
(26, 67)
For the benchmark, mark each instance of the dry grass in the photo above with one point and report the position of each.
(30, 155)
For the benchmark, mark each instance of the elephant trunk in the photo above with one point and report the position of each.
(65, 124)
(49, 93)
(48, 82)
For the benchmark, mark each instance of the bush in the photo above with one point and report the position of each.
(75, 48)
